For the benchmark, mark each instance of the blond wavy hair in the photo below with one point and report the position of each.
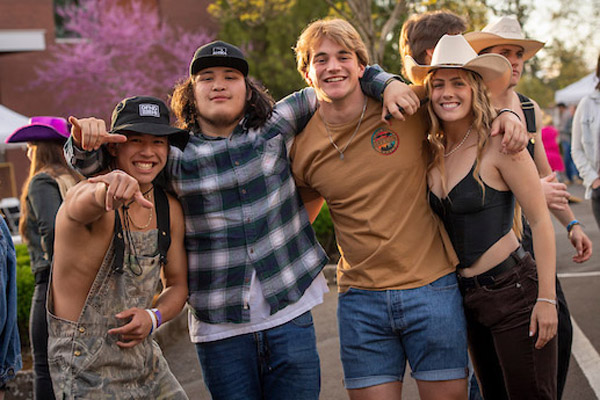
(334, 29)
(483, 116)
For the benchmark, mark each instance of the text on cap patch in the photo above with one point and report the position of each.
(219, 51)
(149, 110)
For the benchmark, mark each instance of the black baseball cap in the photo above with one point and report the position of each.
(218, 54)
(146, 115)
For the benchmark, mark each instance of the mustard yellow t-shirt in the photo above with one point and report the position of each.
(377, 195)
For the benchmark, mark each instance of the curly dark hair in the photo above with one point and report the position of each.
(259, 107)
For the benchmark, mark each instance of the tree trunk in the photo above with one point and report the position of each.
(360, 16)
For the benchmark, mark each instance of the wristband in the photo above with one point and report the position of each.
(153, 318)
(508, 110)
(158, 317)
(544, 300)
(572, 224)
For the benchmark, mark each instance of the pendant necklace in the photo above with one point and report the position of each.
(341, 151)
(460, 144)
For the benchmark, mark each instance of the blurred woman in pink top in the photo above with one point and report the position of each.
(550, 140)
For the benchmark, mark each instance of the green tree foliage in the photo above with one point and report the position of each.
(561, 67)
(562, 61)
(567, 64)
(25, 285)
(267, 31)
(323, 227)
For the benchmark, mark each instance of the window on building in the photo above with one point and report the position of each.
(58, 20)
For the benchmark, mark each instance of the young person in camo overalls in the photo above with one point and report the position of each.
(117, 235)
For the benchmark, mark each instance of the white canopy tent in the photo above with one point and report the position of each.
(9, 122)
(576, 91)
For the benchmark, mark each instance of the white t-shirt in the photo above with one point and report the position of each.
(260, 318)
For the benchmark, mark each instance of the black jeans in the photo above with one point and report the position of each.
(565, 340)
(503, 354)
(596, 204)
(38, 333)
(565, 328)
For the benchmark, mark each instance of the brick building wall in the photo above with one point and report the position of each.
(17, 69)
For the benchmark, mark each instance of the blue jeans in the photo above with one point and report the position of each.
(277, 363)
(570, 168)
(381, 330)
(10, 344)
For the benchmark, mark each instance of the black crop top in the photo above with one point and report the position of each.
(472, 224)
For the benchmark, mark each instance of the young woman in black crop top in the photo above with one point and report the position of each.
(473, 185)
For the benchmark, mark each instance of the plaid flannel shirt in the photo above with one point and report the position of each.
(242, 211)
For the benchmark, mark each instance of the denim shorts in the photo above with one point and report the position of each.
(381, 330)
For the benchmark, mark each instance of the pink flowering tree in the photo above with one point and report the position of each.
(122, 49)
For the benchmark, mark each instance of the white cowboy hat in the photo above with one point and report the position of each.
(453, 51)
(506, 30)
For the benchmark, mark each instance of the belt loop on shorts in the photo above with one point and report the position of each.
(489, 277)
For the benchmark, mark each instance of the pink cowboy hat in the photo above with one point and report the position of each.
(41, 129)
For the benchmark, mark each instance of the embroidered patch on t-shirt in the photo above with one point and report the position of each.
(384, 141)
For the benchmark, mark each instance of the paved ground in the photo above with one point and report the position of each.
(581, 284)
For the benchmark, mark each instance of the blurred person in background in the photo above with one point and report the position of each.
(565, 124)
(43, 192)
(550, 142)
(586, 144)
(10, 344)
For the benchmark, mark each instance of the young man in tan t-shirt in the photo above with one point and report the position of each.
(398, 295)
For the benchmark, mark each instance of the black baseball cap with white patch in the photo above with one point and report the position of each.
(146, 115)
(218, 54)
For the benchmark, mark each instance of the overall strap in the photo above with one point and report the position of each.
(163, 222)
(118, 244)
(529, 112)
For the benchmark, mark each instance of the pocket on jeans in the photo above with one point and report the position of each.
(498, 303)
(303, 321)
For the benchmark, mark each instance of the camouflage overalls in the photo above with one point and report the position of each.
(84, 360)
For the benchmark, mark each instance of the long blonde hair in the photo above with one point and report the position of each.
(483, 115)
(48, 157)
